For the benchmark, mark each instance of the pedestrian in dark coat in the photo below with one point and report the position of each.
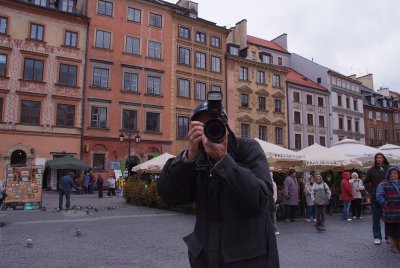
(231, 185)
(100, 183)
(291, 196)
(64, 188)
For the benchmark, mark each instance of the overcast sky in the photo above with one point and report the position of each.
(348, 36)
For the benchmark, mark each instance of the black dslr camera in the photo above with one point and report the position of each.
(214, 129)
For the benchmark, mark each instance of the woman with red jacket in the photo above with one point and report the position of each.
(347, 195)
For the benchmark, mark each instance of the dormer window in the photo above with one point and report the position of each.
(266, 58)
(372, 100)
(233, 50)
(384, 103)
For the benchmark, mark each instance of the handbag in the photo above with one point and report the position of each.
(364, 193)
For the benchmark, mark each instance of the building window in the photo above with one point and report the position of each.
(153, 85)
(245, 130)
(184, 56)
(266, 58)
(33, 70)
(385, 117)
(3, 65)
(261, 103)
(155, 20)
(244, 100)
(339, 100)
(320, 101)
(98, 117)
(355, 105)
(200, 91)
(340, 123)
(262, 133)
(68, 5)
(154, 50)
(309, 99)
(201, 37)
(216, 88)
(3, 25)
(296, 96)
(184, 32)
(276, 80)
(378, 115)
(278, 106)
(134, 15)
(386, 135)
(244, 73)
(349, 124)
(103, 39)
(37, 32)
(234, 50)
(321, 121)
(65, 115)
(129, 120)
(215, 41)
(132, 45)
(370, 116)
(254, 55)
(215, 64)
(152, 122)
(379, 134)
(261, 77)
(105, 8)
(297, 141)
(42, 3)
(310, 139)
(71, 39)
(278, 135)
(356, 126)
(395, 116)
(371, 133)
(297, 117)
(131, 82)
(279, 61)
(310, 119)
(183, 127)
(348, 103)
(68, 74)
(200, 60)
(183, 87)
(99, 161)
(322, 141)
(100, 77)
(30, 112)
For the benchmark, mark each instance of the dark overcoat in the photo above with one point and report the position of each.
(233, 206)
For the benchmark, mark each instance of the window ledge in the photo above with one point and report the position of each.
(261, 84)
(99, 128)
(35, 40)
(70, 47)
(277, 87)
(152, 132)
(100, 88)
(131, 54)
(103, 49)
(105, 15)
(2, 77)
(279, 113)
(5, 34)
(153, 95)
(32, 81)
(28, 124)
(184, 97)
(262, 111)
(157, 59)
(130, 92)
(63, 85)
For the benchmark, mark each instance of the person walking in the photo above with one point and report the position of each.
(347, 195)
(320, 194)
(310, 210)
(65, 185)
(291, 196)
(86, 182)
(100, 183)
(111, 186)
(274, 222)
(357, 186)
(388, 196)
(374, 176)
(121, 184)
(230, 182)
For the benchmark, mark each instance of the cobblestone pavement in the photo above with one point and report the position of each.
(115, 234)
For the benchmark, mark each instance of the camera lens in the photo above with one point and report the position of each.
(214, 130)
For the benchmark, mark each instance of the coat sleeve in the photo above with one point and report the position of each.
(328, 191)
(248, 182)
(286, 189)
(313, 193)
(380, 195)
(176, 185)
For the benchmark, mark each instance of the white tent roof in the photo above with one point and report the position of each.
(389, 147)
(278, 156)
(319, 158)
(354, 148)
(153, 165)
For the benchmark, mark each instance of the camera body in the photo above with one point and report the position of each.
(214, 128)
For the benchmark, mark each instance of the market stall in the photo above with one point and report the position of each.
(23, 187)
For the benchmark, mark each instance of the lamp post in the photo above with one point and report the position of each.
(129, 134)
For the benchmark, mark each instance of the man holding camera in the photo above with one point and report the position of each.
(230, 182)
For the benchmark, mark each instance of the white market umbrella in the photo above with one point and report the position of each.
(391, 149)
(278, 156)
(153, 165)
(321, 158)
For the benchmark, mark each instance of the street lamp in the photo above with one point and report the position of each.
(129, 133)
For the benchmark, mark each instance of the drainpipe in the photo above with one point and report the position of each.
(84, 82)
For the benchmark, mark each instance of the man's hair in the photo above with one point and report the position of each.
(291, 171)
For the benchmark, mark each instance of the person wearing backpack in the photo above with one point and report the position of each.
(320, 194)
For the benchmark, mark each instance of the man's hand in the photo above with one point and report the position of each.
(195, 135)
(216, 151)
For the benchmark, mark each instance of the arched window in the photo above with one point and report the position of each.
(18, 158)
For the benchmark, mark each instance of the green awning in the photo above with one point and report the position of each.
(67, 162)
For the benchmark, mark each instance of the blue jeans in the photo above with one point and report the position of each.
(346, 207)
(376, 220)
(310, 212)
